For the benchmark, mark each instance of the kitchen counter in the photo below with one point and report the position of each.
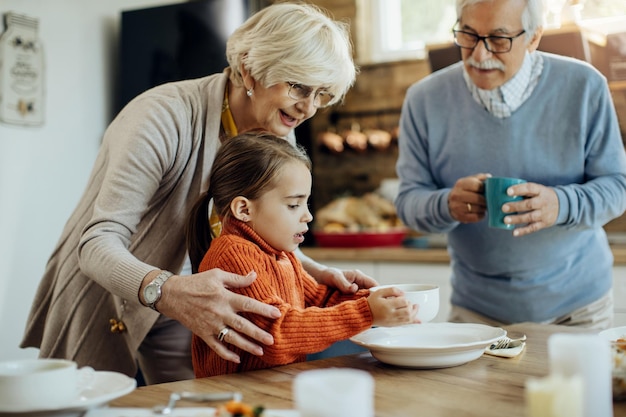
(384, 254)
(403, 265)
(402, 254)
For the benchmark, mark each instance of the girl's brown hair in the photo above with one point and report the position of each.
(247, 165)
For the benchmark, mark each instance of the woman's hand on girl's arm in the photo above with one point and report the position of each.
(348, 282)
(203, 303)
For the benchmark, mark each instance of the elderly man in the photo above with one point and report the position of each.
(509, 110)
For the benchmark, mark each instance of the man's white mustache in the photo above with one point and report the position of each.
(486, 65)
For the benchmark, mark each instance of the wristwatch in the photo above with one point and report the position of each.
(152, 291)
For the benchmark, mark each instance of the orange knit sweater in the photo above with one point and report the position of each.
(313, 316)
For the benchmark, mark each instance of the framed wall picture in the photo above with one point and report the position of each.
(21, 72)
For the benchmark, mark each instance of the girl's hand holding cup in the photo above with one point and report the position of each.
(390, 308)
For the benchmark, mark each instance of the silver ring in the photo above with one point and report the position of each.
(222, 334)
(469, 208)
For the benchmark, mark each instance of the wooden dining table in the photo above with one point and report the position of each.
(489, 386)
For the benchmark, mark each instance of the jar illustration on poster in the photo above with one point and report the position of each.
(21, 72)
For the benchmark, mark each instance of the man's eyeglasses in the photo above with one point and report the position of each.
(494, 44)
(301, 92)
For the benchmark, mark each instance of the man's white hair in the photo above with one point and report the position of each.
(533, 16)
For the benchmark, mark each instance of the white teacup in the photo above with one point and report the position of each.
(334, 392)
(33, 384)
(426, 296)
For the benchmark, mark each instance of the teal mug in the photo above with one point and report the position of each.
(496, 196)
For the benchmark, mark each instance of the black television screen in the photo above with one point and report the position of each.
(175, 42)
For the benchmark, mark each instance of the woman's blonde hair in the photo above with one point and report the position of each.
(299, 43)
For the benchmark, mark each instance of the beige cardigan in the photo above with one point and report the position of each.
(154, 162)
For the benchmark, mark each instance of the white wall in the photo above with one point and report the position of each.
(43, 169)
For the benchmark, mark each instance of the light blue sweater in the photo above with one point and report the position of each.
(565, 136)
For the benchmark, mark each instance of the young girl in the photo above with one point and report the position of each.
(260, 185)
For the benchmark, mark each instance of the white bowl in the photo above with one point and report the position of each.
(431, 345)
(97, 388)
(426, 296)
(37, 382)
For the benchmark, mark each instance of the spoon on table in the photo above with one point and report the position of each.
(194, 396)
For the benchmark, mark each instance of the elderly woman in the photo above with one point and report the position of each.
(107, 298)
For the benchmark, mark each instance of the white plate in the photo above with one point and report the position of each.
(429, 345)
(614, 333)
(106, 386)
(177, 412)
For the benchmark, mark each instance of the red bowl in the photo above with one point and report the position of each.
(392, 237)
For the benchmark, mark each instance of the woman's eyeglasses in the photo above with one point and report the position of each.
(301, 92)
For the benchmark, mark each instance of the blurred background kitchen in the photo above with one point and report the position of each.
(88, 72)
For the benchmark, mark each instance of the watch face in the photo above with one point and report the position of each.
(151, 293)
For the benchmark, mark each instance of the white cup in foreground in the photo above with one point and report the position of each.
(589, 357)
(334, 392)
(38, 383)
(426, 296)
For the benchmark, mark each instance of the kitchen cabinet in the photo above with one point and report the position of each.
(439, 273)
(405, 273)
(619, 294)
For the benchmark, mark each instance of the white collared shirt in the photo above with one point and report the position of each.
(504, 100)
